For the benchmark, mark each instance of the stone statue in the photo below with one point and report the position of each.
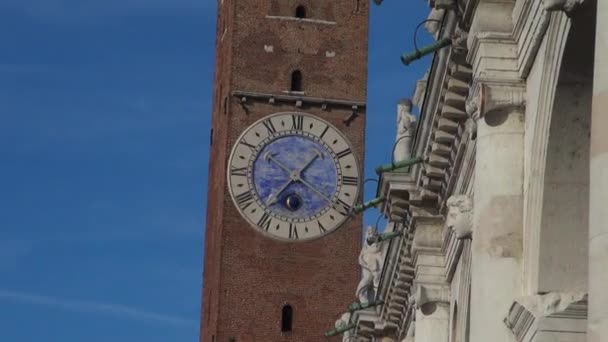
(344, 320)
(370, 260)
(406, 124)
(460, 216)
(434, 21)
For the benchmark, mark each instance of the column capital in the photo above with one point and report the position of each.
(490, 97)
(431, 293)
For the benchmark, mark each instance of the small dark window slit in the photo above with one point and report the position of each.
(286, 318)
(296, 81)
(301, 12)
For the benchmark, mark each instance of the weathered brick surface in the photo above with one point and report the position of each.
(249, 277)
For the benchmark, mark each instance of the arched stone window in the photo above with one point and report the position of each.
(301, 12)
(296, 81)
(286, 318)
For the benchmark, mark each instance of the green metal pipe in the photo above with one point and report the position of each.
(416, 55)
(398, 165)
(356, 306)
(362, 207)
(384, 237)
(340, 329)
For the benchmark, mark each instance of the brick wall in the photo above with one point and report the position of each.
(249, 277)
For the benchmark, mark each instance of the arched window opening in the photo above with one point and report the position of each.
(296, 81)
(286, 318)
(301, 12)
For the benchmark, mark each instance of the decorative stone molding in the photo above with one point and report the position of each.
(538, 131)
(550, 317)
(460, 216)
(561, 5)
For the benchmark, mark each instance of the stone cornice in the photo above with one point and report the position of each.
(508, 54)
(296, 97)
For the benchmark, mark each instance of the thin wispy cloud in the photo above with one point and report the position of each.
(95, 308)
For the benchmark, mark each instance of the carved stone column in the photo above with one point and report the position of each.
(496, 273)
(598, 215)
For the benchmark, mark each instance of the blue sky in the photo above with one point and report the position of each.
(104, 139)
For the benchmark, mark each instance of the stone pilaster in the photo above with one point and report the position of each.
(498, 211)
(496, 102)
(598, 215)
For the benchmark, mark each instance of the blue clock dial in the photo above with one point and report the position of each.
(293, 176)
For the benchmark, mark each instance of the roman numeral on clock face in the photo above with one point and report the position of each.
(239, 171)
(265, 221)
(293, 232)
(344, 153)
(297, 122)
(342, 207)
(347, 180)
(251, 147)
(322, 229)
(244, 200)
(269, 126)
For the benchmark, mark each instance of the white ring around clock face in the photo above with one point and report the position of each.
(293, 176)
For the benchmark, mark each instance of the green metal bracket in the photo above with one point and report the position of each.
(363, 207)
(398, 165)
(416, 55)
(340, 329)
(356, 306)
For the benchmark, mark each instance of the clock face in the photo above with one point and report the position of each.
(293, 176)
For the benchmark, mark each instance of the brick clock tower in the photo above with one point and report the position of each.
(285, 169)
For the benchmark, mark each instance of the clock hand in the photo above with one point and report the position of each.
(273, 198)
(317, 155)
(268, 157)
(303, 181)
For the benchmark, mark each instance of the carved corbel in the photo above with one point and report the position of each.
(561, 5)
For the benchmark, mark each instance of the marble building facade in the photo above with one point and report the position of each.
(500, 234)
